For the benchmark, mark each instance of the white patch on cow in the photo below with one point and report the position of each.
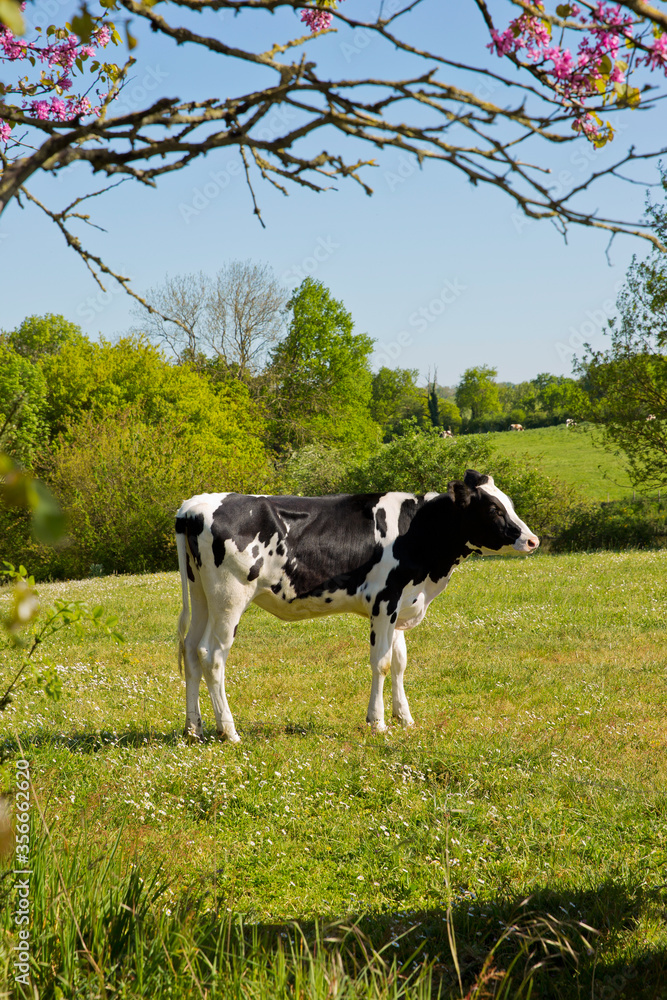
(527, 541)
(391, 504)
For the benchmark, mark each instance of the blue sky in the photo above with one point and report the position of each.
(442, 274)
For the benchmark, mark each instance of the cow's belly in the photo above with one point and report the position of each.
(338, 602)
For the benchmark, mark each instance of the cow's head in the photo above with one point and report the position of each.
(491, 523)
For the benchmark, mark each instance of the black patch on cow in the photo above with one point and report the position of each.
(191, 575)
(270, 552)
(408, 511)
(255, 551)
(328, 600)
(191, 525)
(236, 629)
(329, 542)
(381, 522)
(393, 618)
(276, 588)
(254, 570)
(372, 637)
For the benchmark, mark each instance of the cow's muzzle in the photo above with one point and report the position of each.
(528, 544)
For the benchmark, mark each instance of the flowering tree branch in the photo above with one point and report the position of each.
(580, 65)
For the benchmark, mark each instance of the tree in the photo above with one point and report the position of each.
(47, 121)
(395, 396)
(22, 405)
(320, 377)
(41, 335)
(478, 392)
(234, 317)
(627, 384)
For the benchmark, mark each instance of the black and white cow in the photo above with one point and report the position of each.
(384, 556)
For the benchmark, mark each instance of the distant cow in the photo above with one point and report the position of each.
(384, 556)
(651, 416)
(447, 433)
(516, 427)
(570, 423)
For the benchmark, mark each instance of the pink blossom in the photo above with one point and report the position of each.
(40, 109)
(102, 35)
(317, 20)
(5, 131)
(656, 57)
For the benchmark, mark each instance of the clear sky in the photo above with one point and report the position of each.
(442, 274)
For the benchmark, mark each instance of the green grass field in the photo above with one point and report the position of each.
(521, 825)
(569, 454)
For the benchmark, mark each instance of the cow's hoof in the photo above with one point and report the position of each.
(192, 737)
(377, 727)
(228, 737)
(407, 723)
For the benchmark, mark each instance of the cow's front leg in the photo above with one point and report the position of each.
(399, 659)
(382, 631)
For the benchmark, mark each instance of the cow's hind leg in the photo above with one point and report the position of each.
(382, 631)
(191, 664)
(399, 659)
(214, 649)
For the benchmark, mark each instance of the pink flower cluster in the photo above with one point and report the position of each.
(62, 55)
(317, 18)
(575, 78)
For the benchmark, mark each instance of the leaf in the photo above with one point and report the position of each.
(605, 65)
(131, 40)
(48, 521)
(10, 14)
(83, 24)
(563, 10)
(627, 96)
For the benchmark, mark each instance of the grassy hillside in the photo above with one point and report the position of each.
(570, 455)
(522, 823)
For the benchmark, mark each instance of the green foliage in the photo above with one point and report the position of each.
(314, 470)
(102, 379)
(22, 405)
(478, 392)
(320, 376)
(395, 397)
(40, 336)
(423, 461)
(627, 384)
(121, 481)
(449, 415)
(620, 524)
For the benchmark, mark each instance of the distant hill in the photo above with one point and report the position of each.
(569, 454)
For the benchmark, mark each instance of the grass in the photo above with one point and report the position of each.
(570, 454)
(522, 823)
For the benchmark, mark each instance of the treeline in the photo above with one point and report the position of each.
(230, 384)
(122, 432)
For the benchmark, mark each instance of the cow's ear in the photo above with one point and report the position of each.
(473, 479)
(460, 492)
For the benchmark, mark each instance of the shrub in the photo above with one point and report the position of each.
(314, 471)
(424, 461)
(621, 524)
(120, 483)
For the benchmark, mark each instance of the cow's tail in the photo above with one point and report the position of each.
(184, 619)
